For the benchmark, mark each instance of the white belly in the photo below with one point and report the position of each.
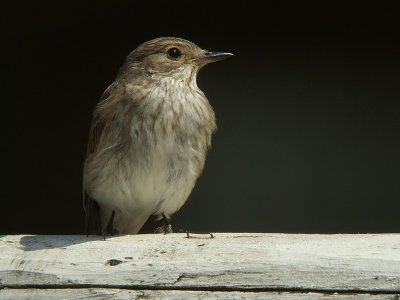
(136, 191)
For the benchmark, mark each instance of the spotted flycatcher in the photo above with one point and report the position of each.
(149, 136)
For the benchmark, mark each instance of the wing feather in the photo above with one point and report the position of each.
(103, 113)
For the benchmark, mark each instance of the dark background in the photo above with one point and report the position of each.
(307, 111)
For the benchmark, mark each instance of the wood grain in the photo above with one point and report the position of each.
(230, 262)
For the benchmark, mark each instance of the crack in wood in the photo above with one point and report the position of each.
(204, 289)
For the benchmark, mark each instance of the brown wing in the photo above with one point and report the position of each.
(102, 115)
(90, 207)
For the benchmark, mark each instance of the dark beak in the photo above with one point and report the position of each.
(216, 56)
(209, 56)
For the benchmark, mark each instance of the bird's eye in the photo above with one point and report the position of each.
(174, 53)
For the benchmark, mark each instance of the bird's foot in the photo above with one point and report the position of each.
(109, 229)
(165, 228)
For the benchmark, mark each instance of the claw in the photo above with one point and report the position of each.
(165, 228)
(109, 229)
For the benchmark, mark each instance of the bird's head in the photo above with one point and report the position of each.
(166, 55)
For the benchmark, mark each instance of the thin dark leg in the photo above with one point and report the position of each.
(167, 226)
(109, 229)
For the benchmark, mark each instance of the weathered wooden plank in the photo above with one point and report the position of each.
(230, 261)
(66, 294)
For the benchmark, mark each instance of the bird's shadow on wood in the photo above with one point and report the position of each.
(41, 242)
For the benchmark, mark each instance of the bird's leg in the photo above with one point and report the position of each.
(165, 227)
(109, 229)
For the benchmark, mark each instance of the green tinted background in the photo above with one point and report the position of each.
(307, 111)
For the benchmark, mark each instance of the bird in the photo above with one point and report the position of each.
(149, 137)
